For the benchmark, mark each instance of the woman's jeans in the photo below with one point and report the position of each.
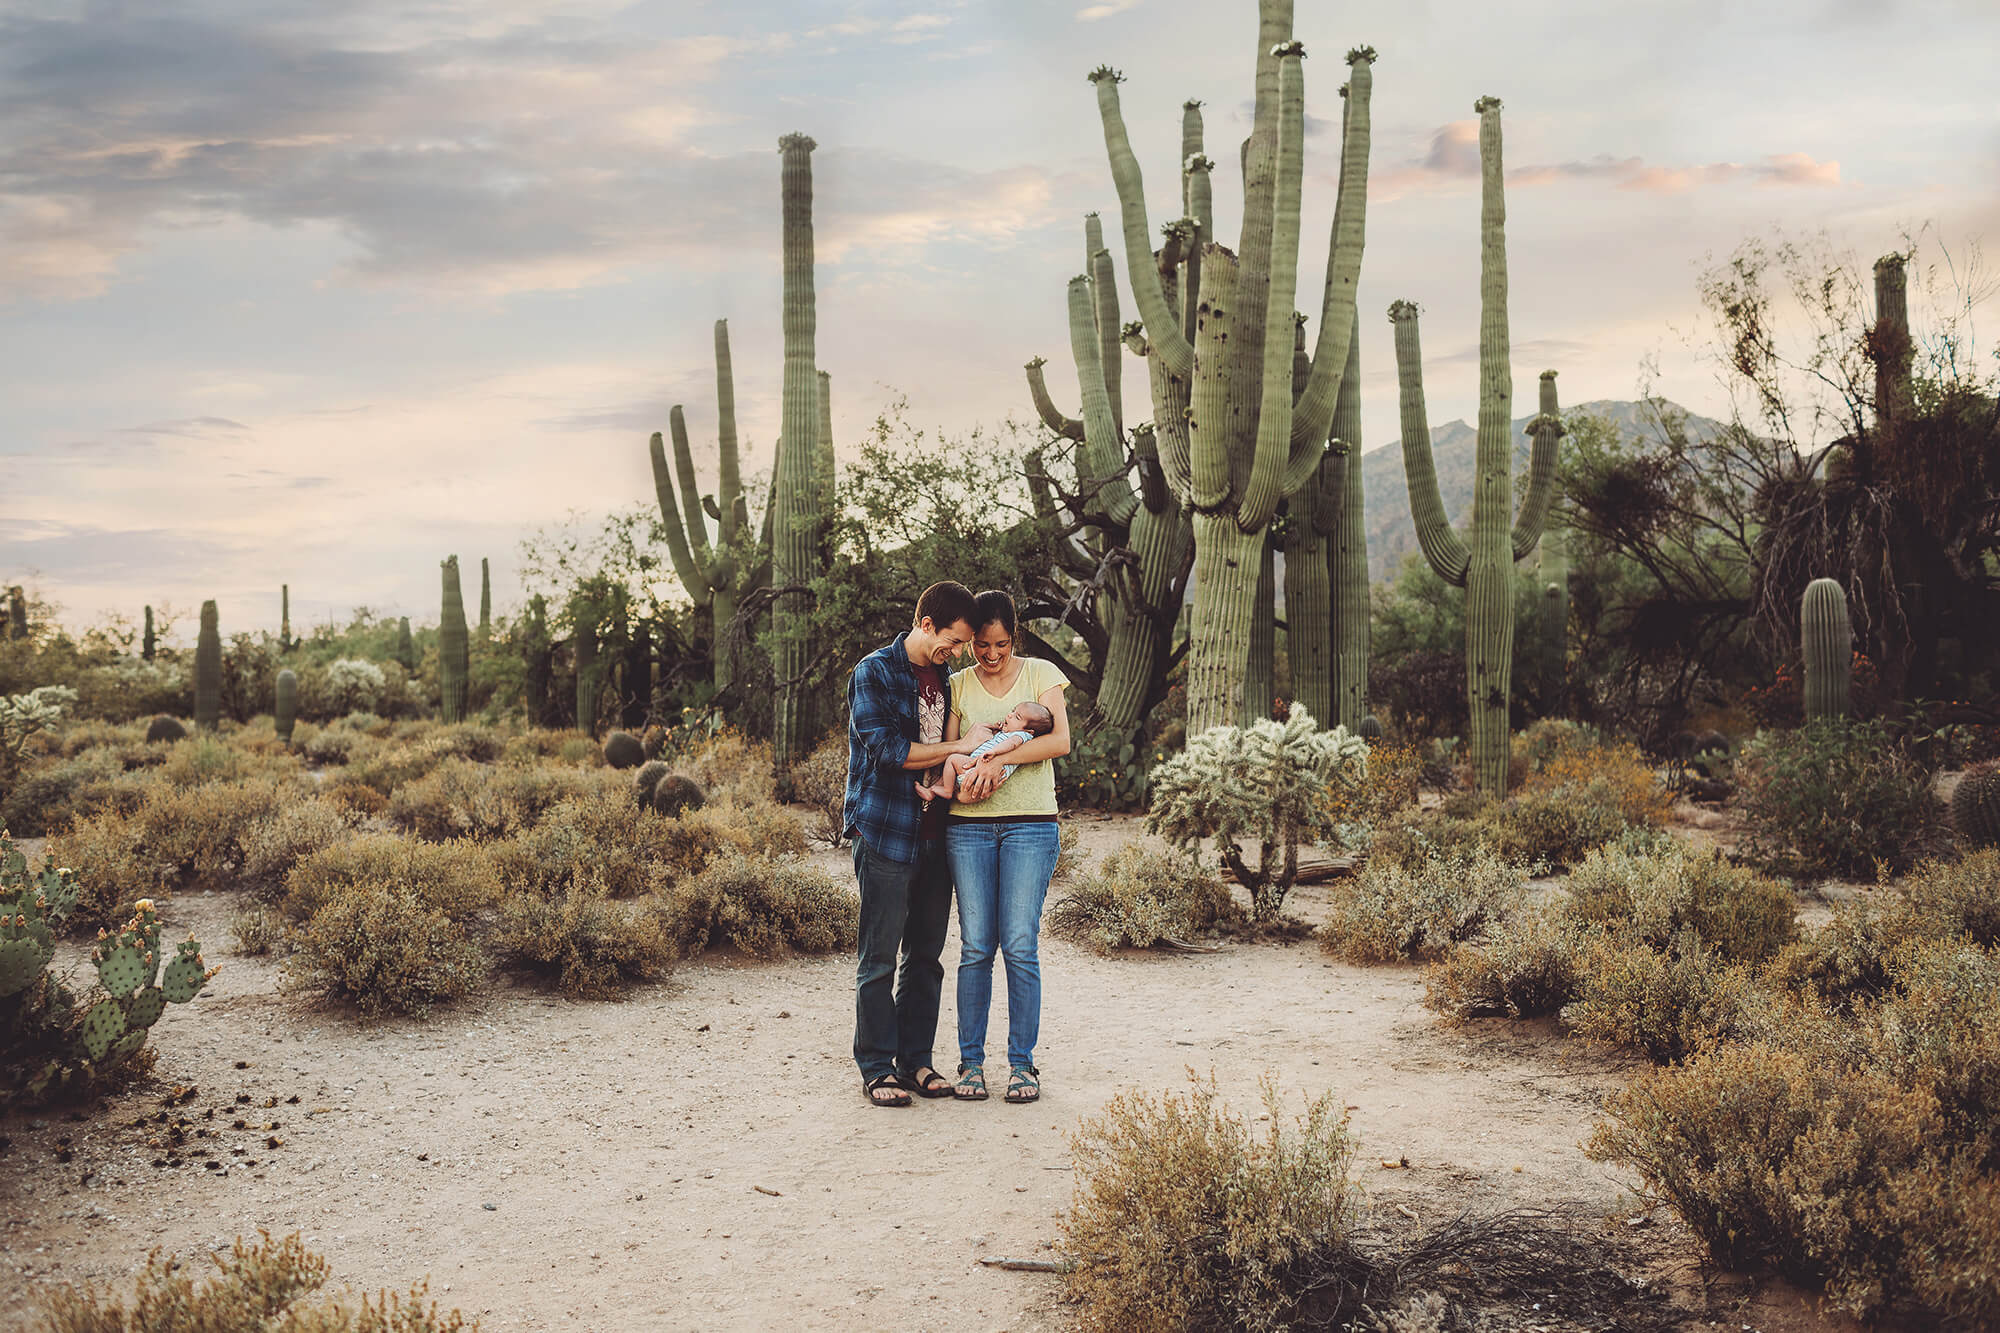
(1001, 872)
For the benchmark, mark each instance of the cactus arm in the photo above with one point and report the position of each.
(1170, 397)
(1441, 545)
(697, 528)
(1168, 341)
(823, 465)
(733, 507)
(1069, 428)
(1313, 415)
(1347, 555)
(1208, 403)
(1103, 458)
(1104, 291)
(1547, 429)
(685, 567)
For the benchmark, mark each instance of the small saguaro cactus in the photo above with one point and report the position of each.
(406, 645)
(454, 648)
(285, 640)
(17, 613)
(148, 643)
(1975, 805)
(208, 670)
(286, 706)
(485, 599)
(589, 678)
(1828, 645)
(1482, 565)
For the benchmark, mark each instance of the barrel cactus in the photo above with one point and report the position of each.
(454, 648)
(1828, 645)
(208, 671)
(622, 750)
(287, 704)
(674, 794)
(165, 728)
(1975, 805)
(647, 778)
(1369, 729)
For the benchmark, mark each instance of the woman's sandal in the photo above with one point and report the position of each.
(971, 1085)
(1023, 1084)
(927, 1082)
(875, 1087)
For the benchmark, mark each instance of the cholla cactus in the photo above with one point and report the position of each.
(23, 715)
(1277, 783)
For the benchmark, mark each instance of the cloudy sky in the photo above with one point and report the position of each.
(319, 293)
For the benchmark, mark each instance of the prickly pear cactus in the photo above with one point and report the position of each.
(124, 969)
(1975, 806)
(185, 976)
(103, 1025)
(143, 1009)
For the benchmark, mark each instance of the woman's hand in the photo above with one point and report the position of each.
(980, 782)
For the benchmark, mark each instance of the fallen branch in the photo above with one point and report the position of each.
(1032, 1265)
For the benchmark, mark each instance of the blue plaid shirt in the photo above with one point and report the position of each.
(882, 802)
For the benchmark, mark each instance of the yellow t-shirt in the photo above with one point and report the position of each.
(1031, 788)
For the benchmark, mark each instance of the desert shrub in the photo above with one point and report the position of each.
(208, 758)
(539, 745)
(1410, 837)
(272, 847)
(1540, 745)
(1525, 967)
(1069, 853)
(765, 907)
(1826, 1173)
(386, 765)
(1942, 899)
(453, 878)
(592, 945)
(1395, 775)
(727, 765)
(200, 832)
(256, 1288)
(113, 869)
(1940, 1030)
(1840, 964)
(1655, 896)
(357, 799)
(1667, 1004)
(332, 745)
(1278, 784)
(1836, 798)
(1139, 896)
(1558, 826)
(467, 740)
(1186, 1217)
(385, 949)
(463, 799)
(580, 749)
(44, 796)
(1393, 912)
(256, 931)
(819, 782)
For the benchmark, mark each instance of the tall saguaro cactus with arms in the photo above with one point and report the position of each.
(1245, 440)
(1483, 566)
(713, 576)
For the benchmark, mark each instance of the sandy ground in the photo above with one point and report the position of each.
(700, 1156)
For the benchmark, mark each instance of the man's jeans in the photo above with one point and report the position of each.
(906, 908)
(1002, 873)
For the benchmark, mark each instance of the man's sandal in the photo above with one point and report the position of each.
(1023, 1084)
(927, 1082)
(884, 1090)
(971, 1086)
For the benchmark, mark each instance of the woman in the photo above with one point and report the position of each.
(1002, 843)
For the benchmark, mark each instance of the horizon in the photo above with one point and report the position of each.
(323, 297)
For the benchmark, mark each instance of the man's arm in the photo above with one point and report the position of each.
(982, 778)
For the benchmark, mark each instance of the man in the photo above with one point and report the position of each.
(897, 702)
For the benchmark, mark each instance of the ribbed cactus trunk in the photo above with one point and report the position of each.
(208, 670)
(454, 648)
(589, 678)
(17, 613)
(406, 645)
(1347, 550)
(1555, 623)
(538, 671)
(1827, 641)
(636, 690)
(1482, 564)
(1889, 346)
(285, 711)
(148, 644)
(1260, 676)
(1248, 438)
(1308, 595)
(795, 523)
(285, 618)
(485, 600)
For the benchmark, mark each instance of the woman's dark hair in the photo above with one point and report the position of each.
(990, 606)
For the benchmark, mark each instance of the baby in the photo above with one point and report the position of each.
(1020, 726)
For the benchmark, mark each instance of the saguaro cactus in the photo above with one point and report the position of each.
(714, 578)
(148, 644)
(589, 679)
(285, 709)
(485, 600)
(538, 671)
(208, 670)
(454, 650)
(1246, 440)
(1555, 623)
(285, 641)
(1484, 565)
(794, 524)
(17, 613)
(1828, 644)
(406, 645)
(1347, 548)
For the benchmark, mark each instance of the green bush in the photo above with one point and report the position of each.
(45, 796)
(461, 798)
(593, 946)
(819, 782)
(273, 847)
(766, 908)
(1837, 798)
(1666, 1004)
(1391, 912)
(1138, 896)
(385, 949)
(1106, 770)
(1655, 896)
(454, 878)
(1185, 1217)
(1526, 967)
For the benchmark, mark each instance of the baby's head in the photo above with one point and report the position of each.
(1033, 718)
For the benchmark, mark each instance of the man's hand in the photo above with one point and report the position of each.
(980, 781)
(975, 738)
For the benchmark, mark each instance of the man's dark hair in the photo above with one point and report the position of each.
(1038, 717)
(945, 604)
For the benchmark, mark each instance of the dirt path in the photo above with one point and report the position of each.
(700, 1156)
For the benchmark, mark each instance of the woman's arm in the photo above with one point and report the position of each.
(983, 777)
